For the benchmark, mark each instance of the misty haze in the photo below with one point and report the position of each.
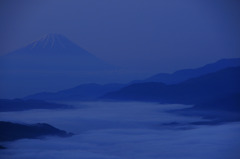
(127, 79)
(124, 130)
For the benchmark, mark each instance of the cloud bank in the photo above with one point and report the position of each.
(123, 131)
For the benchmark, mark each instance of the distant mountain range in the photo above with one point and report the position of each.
(185, 74)
(21, 105)
(84, 92)
(55, 63)
(209, 88)
(94, 91)
(51, 63)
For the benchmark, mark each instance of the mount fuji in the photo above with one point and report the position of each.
(53, 52)
(48, 64)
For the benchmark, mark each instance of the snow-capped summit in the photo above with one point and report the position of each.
(56, 49)
(52, 44)
(50, 41)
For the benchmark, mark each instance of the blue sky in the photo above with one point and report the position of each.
(150, 35)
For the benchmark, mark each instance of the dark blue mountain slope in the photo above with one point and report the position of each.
(196, 90)
(14, 131)
(185, 74)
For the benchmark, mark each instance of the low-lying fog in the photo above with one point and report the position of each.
(129, 130)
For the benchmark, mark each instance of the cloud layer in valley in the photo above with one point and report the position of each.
(124, 130)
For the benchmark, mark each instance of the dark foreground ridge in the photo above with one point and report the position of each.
(14, 131)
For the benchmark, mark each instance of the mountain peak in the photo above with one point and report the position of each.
(51, 44)
(53, 36)
(52, 41)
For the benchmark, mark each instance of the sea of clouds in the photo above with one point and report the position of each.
(124, 130)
